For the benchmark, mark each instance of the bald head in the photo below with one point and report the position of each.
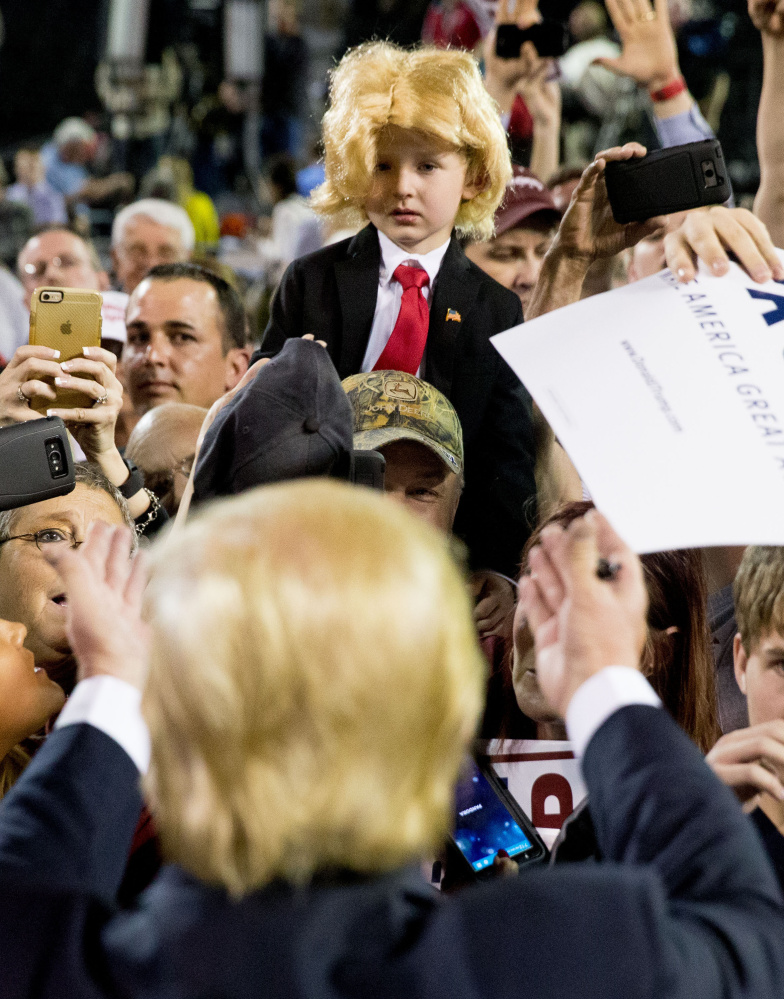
(162, 444)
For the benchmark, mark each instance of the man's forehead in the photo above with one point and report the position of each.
(415, 456)
(49, 244)
(143, 226)
(172, 301)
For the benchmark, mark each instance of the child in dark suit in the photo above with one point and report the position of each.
(414, 147)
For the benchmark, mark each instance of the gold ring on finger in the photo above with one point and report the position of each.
(21, 396)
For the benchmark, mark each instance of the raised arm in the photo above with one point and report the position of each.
(768, 18)
(649, 56)
(588, 233)
(697, 885)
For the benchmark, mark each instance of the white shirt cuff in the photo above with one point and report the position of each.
(602, 695)
(114, 707)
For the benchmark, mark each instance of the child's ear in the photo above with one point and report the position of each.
(474, 186)
(741, 661)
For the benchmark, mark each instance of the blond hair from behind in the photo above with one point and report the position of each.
(314, 681)
(437, 91)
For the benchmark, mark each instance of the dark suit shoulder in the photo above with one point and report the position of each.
(502, 297)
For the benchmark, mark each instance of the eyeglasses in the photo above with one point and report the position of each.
(49, 539)
(64, 263)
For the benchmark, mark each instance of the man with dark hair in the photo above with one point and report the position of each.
(187, 338)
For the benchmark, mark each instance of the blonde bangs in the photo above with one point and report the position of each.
(436, 91)
(315, 678)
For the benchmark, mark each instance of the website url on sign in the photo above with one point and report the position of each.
(656, 390)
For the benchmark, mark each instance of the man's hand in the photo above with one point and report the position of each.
(505, 77)
(495, 601)
(104, 589)
(579, 622)
(710, 234)
(588, 230)
(767, 16)
(649, 54)
(751, 762)
(22, 381)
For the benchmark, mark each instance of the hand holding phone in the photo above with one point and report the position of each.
(66, 320)
(668, 181)
(489, 823)
(548, 38)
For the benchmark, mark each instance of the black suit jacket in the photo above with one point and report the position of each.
(686, 905)
(332, 294)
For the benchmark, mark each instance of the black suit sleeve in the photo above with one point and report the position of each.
(286, 315)
(53, 822)
(655, 802)
(65, 832)
(498, 508)
(683, 906)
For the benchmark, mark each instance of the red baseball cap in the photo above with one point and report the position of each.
(525, 196)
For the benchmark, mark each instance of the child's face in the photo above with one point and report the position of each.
(417, 189)
(760, 676)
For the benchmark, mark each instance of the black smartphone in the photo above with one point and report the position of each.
(488, 819)
(35, 462)
(549, 38)
(667, 181)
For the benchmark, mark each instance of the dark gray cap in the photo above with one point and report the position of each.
(293, 420)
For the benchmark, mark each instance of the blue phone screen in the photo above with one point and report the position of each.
(483, 825)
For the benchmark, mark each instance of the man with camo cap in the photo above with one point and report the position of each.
(418, 431)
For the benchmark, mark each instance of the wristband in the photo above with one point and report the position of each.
(133, 483)
(671, 90)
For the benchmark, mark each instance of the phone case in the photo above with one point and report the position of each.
(67, 326)
(668, 181)
(35, 462)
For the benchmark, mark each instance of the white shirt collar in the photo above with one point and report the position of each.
(392, 256)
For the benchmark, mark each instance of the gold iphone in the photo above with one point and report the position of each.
(66, 319)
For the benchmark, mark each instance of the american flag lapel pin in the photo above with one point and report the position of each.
(454, 315)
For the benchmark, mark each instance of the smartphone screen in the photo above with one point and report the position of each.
(484, 825)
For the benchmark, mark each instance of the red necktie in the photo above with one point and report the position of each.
(406, 345)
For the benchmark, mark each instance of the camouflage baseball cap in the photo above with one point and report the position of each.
(392, 406)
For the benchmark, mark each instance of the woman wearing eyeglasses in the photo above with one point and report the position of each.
(31, 591)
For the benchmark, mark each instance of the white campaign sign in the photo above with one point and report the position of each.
(669, 399)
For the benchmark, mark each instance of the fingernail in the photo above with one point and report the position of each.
(61, 381)
(502, 853)
(55, 353)
(66, 366)
(719, 266)
(87, 351)
(762, 275)
(50, 412)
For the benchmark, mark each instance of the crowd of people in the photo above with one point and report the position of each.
(321, 538)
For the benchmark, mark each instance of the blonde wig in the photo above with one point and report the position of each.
(437, 91)
(314, 681)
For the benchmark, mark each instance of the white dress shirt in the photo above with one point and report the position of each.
(390, 292)
(114, 707)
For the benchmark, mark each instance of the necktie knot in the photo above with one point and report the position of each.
(411, 277)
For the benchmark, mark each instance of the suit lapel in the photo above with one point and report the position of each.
(357, 281)
(455, 291)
